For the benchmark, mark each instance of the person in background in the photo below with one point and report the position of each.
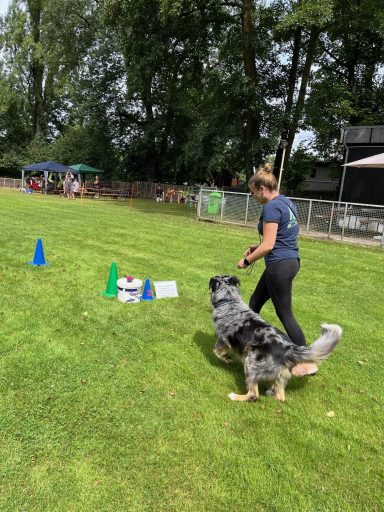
(76, 187)
(35, 185)
(68, 185)
(180, 196)
(60, 186)
(96, 186)
(159, 194)
(169, 195)
(279, 227)
(50, 184)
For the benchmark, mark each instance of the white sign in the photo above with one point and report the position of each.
(165, 289)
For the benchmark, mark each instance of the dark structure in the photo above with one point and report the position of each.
(362, 185)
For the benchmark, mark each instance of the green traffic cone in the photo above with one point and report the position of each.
(111, 290)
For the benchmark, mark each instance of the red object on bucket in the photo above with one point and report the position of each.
(129, 278)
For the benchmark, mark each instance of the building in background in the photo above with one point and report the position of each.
(321, 181)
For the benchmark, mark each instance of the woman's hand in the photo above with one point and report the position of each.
(261, 250)
(250, 250)
(242, 264)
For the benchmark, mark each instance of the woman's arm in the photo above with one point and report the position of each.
(266, 246)
(250, 249)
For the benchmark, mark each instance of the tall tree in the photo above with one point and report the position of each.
(252, 126)
(42, 43)
(34, 9)
(164, 47)
(184, 90)
(301, 27)
(348, 83)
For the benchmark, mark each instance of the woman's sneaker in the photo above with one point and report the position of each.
(302, 369)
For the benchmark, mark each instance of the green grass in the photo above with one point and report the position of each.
(127, 409)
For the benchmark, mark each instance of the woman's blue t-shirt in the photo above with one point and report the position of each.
(283, 212)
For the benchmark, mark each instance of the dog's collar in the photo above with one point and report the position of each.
(223, 302)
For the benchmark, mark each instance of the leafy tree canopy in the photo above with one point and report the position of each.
(185, 90)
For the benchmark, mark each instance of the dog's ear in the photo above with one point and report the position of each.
(213, 284)
(233, 280)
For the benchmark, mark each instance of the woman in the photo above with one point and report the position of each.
(96, 186)
(76, 187)
(159, 194)
(68, 185)
(279, 228)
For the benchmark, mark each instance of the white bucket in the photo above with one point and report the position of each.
(129, 291)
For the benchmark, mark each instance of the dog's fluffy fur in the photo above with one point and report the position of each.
(267, 354)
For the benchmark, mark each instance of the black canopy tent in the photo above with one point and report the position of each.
(46, 167)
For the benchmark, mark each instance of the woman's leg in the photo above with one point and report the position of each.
(279, 277)
(261, 294)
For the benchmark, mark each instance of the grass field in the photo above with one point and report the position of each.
(126, 409)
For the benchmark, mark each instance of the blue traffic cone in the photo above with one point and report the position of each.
(38, 259)
(147, 293)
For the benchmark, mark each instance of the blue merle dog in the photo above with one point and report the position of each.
(267, 353)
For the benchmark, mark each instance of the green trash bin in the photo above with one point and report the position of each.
(214, 203)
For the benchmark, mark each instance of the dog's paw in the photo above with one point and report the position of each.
(242, 398)
(223, 356)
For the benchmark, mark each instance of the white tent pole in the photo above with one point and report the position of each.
(283, 145)
(45, 181)
(343, 176)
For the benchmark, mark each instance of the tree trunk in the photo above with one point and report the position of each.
(37, 69)
(298, 108)
(290, 96)
(150, 139)
(366, 100)
(252, 125)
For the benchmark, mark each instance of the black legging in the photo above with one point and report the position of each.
(276, 284)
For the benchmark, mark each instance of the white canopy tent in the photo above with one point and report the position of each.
(372, 162)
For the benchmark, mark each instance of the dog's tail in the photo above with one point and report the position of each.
(321, 348)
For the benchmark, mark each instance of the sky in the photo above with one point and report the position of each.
(4, 6)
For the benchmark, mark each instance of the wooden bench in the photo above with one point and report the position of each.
(104, 193)
(87, 193)
(118, 194)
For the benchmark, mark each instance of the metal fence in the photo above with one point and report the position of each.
(10, 182)
(350, 222)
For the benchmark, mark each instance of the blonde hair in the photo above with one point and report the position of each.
(263, 176)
